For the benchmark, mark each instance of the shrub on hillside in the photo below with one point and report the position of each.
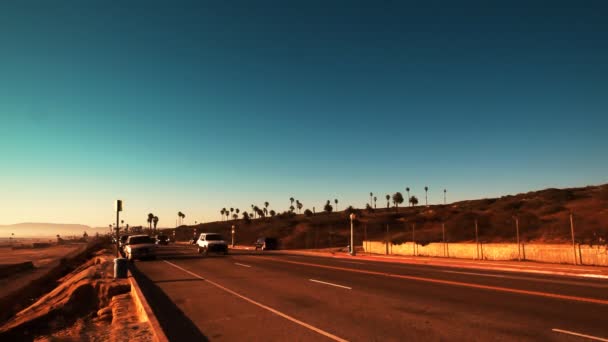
(552, 209)
(308, 213)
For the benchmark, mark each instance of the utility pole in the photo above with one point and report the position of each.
(386, 244)
(365, 237)
(414, 238)
(443, 232)
(477, 239)
(572, 232)
(232, 236)
(518, 244)
(352, 235)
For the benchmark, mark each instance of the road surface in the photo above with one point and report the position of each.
(250, 295)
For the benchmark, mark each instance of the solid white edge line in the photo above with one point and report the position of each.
(236, 263)
(274, 311)
(331, 284)
(595, 338)
(478, 274)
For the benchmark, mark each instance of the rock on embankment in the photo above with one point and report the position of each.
(88, 305)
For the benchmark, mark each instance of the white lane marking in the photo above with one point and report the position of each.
(478, 274)
(236, 263)
(595, 338)
(599, 276)
(274, 311)
(331, 284)
(352, 262)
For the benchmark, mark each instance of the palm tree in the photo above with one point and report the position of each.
(183, 217)
(291, 199)
(265, 210)
(414, 200)
(150, 218)
(300, 206)
(155, 221)
(231, 210)
(266, 204)
(388, 203)
(222, 213)
(375, 199)
(407, 189)
(370, 198)
(179, 217)
(426, 197)
(272, 213)
(256, 210)
(336, 201)
(444, 195)
(397, 199)
(237, 210)
(328, 208)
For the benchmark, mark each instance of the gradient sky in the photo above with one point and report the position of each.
(203, 105)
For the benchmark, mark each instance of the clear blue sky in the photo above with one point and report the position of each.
(203, 105)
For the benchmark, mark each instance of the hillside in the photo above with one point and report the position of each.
(543, 217)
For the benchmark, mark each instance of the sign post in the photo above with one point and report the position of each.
(118, 208)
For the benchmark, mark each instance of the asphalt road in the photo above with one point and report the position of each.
(272, 296)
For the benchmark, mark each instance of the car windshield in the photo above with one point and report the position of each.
(213, 237)
(137, 240)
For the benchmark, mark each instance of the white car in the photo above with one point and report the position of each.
(140, 247)
(211, 242)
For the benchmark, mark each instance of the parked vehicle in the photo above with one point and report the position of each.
(162, 240)
(122, 240)
(211, 242)
(266, 243)
(140, 247)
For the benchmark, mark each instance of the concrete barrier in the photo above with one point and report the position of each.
(551, 253)
(144, 311)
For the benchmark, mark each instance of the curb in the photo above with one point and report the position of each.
(144, 311)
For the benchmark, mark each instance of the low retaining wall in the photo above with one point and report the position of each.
(552, 253)
(144, 312)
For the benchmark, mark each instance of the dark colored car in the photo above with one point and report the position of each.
(162, 240)
(266, 243)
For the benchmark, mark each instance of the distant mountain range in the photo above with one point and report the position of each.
(48, 229)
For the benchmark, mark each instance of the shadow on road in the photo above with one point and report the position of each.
(176, 325)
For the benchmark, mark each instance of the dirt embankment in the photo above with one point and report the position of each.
(543, 216)
(88, 305)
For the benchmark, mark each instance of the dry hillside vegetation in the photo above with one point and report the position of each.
(543, 217)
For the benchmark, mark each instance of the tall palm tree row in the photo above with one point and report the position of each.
(388, 203)
(407, 189)
(426, 195)
(371, 194)
(150, 219)
(155, 221)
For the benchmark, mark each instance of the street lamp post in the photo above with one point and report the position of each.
(232, 236)
(352, 239)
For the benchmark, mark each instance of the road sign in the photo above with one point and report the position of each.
(118, 205)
